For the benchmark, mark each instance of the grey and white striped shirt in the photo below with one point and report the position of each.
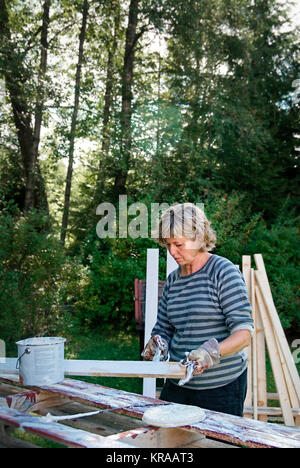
(210, 303)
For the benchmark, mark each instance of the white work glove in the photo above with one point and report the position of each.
(156, 349)
(206, 356)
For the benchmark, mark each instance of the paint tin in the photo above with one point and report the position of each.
(41, 360)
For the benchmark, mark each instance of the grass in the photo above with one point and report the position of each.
(112, 346)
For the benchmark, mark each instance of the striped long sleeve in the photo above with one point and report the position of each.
(210, 303)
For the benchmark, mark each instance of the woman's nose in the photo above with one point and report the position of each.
(172, 250)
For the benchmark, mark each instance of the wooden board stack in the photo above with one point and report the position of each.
(268, 332)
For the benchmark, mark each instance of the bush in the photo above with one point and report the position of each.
(241, 233)
(278, 245)
(31, 261)
(103, 294)
(106, 297)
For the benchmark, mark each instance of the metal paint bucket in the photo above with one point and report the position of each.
(41, 360)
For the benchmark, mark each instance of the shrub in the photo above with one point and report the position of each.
(103, 294)
(278, 245)
(242, 233)
(31, 261)
(107, 294)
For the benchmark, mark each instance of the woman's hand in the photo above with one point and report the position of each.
(156, 349)
(206, 356)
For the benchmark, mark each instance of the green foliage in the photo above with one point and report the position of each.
(279, 245)
(234, 223)
(241, 233)
(31, 261)
(214, 120)
(107, 294)
(102, 295)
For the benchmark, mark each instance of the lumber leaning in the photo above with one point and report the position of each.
(261, 364)
(254, 345)
(265, 289)
(246, 270)
(96, 368)
(274, 357)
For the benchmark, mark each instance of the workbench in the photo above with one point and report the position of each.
(119, 421)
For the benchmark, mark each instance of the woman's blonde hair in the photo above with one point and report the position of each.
(186, 220)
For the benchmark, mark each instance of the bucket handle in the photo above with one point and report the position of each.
(27, 351)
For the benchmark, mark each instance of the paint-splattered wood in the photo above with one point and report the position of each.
(97, 368)
(34, 401)
(130, 404)
(56, 432)
(155, 437)
(127, 403)
(234, 429)
(248, 432)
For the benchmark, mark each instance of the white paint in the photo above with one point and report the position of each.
(152, 277)
(149, 385)
(50, 418)
(173, 415)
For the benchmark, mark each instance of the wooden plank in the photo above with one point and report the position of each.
(130, 404)
(273, 411)
(234, 429)
(248, 432)
(55, 431)
(246, 271)
(289, 383)
(152, 276)
(105, 423)
(254, 344)
(8, 366)
(77, 367)
(171, 264)
(262, 399)
(34, 401)
(261, 360)
(275, 320)
(274, 356)
(155, 437)
(124, 369)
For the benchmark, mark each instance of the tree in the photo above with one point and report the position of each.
(112, 45)
(16, 74)
(132, 36)
(32, 169)
(230, 70)
(82, 36)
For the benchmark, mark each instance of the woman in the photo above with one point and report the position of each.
(205, 312)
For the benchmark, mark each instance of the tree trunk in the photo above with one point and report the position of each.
(33, 171)
(107, 100)
(13, 71)
(74, 123)
(127, 81)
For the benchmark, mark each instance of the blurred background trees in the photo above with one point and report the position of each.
(161, 100)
